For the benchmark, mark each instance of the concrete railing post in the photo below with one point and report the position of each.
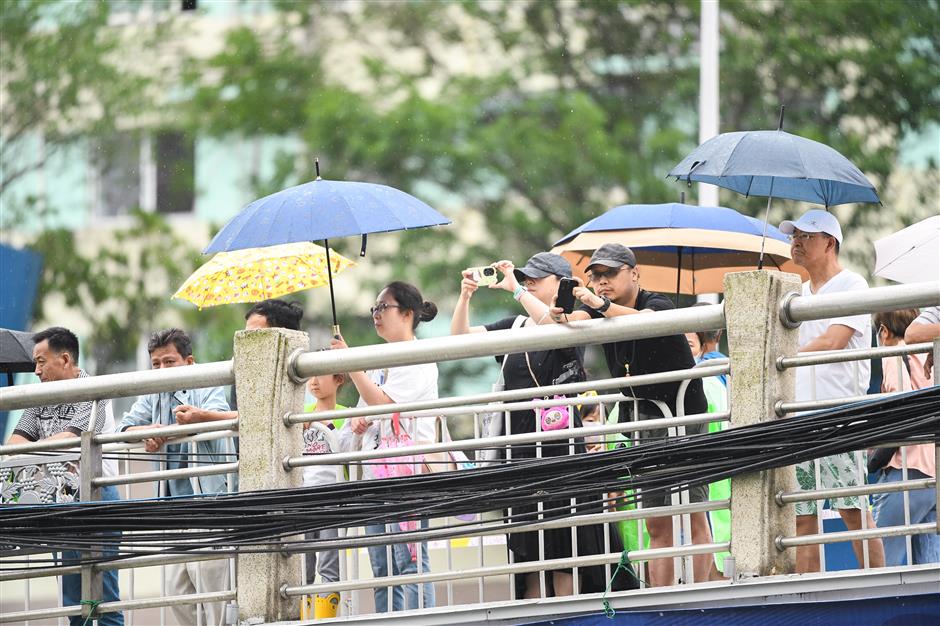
(755, 338)
(265, 394)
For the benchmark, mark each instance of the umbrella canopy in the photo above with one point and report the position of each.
(257, 274)
(910, 255)
(680, 248)
(323, 210)
(774, 163)
(16, 352)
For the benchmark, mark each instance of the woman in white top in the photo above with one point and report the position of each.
(397, 311)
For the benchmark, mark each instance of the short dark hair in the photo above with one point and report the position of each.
(707, 336)
(279, 313)
(409, 299)
(175, 336)
(60, 340)
(896, 321)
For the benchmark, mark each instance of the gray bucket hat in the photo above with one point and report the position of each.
(544, 264)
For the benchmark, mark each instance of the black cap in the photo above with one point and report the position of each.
(613, 255)
(544, 264)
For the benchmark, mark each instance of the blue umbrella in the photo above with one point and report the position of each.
(776, 164)
(323, 209)
(690, 247)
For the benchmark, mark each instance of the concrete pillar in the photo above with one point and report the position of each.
(265, 394)
(755, 339)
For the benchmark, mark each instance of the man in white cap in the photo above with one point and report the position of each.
(815, 241)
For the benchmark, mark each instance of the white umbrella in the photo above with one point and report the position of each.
(911, 255)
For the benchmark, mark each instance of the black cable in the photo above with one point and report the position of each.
(265, 521)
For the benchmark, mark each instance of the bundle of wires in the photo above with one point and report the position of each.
(267, 521)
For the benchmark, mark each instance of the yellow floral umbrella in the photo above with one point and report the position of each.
(256, 274)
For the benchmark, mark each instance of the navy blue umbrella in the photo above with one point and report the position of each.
(323, 210)
(776, 164)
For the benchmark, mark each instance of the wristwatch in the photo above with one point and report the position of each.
(603, 308)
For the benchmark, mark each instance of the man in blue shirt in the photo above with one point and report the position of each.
(173, 348)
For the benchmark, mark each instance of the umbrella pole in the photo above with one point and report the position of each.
(760, 260)
(329, 274)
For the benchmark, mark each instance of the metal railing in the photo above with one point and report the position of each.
(303, 364)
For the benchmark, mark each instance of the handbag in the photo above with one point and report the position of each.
(393, 467)
(491, 422)
(553, 417)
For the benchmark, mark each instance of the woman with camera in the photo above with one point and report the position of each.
(396, 314)
(534, 286)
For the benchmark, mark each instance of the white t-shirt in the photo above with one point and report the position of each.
(930, 315)
(409, 383)
(836, 380)
(318, 442)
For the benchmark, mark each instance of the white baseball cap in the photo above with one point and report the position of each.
(814, 221)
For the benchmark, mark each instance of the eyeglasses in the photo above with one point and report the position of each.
(803, 237)
(381, 307)
(609, 274)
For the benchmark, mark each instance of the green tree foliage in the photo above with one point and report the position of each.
(526, 116)
(582, 104)
(59, 78)
(562, 110)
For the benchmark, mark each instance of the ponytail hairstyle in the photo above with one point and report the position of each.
(409, 299)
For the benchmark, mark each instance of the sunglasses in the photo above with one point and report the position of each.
(381, 307)
(609, 274)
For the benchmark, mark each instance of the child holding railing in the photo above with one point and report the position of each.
(319, 438)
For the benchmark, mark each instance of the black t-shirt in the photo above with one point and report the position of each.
(650, 356)
(547, 365)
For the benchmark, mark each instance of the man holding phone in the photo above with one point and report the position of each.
(615, 279)
(173, 348)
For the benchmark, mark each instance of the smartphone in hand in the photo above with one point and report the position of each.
(565, 298)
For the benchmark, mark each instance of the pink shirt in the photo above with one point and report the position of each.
(894, 371)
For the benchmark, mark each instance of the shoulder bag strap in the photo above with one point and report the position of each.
(531, 373)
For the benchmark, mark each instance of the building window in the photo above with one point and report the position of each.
(176, 180)
(116, 161)
(153, 172)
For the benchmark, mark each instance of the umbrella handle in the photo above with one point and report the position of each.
(336, 334)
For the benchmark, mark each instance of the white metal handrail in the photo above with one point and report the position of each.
(795, 308)
(405, 408)
(124, 385)
(123, 605)
(782, 408)
(514, 568)
(783, 543)
(489, 442)
(863, 490)
(497, 343)
(825, 357)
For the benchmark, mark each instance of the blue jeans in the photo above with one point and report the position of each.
(888, 510)
(72, 583)
(403, 596)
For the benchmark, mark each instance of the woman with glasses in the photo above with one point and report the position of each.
(534, 286)
(396, 314)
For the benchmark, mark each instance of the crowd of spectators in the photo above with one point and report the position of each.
(614, 289)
